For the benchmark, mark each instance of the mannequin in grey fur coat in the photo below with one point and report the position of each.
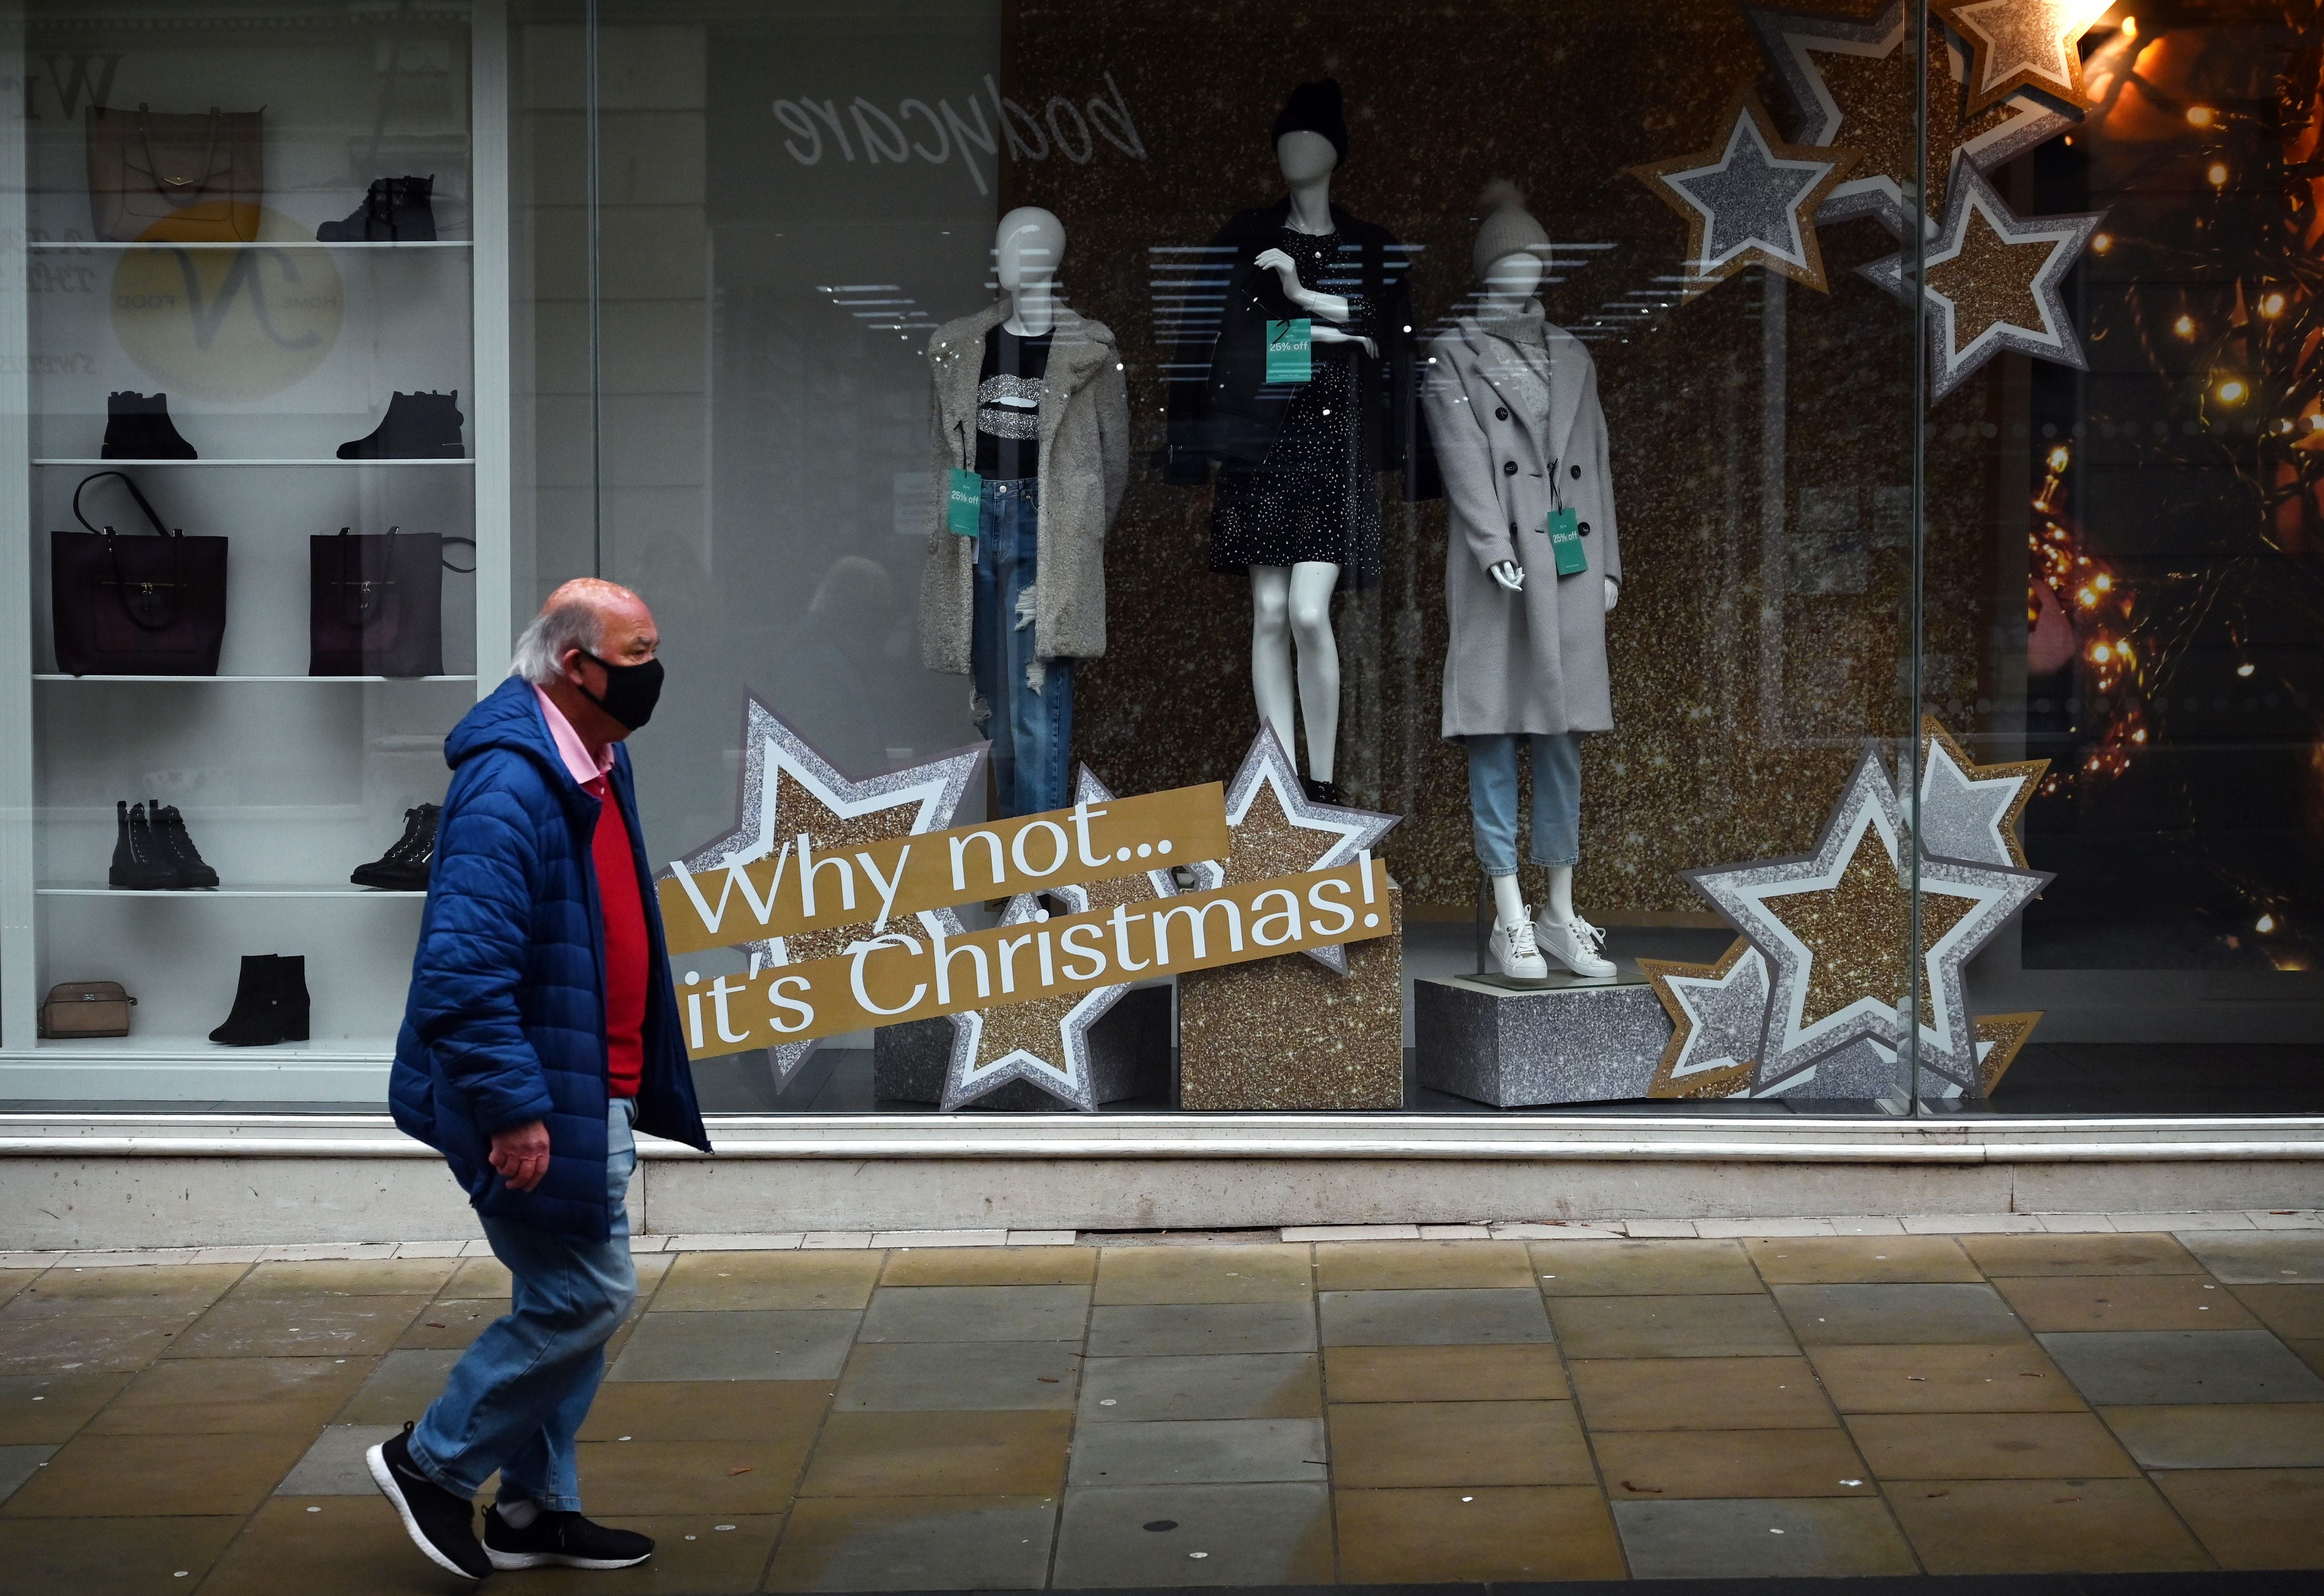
(1512, 404)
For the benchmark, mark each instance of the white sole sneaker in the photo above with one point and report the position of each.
(375, 1459)
(510, 1561)
(1520, 964)
(1573, 952)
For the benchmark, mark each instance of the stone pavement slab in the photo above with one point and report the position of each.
(1169, 1535)
(1644, 1269)
(975, 1312)
(334, 1465)
(1402, 1443)
(928, 1543)
(1222, 1385)
(1989, 1445)
(2251, 1518)
(1513, 1371)
(1358, 1266)
(1258, 1273)
(1517, 1534)
(2271, 1258)
(1851, 1315)
(1200, 1451)
(2119, 1368)
(233, 1396)
(1862, 1260)
(1796, 1539)
(1670, 1465)
(1469, 1316)
(1163, 1329)
(2100, 1253)
(1773, 1393)
(2006, 1377)
(2222, 1434)
(1670, 1328)
(991, 1265)
(936, 1376)
(803, 1343)
(20, 1463)
(1963, 1527)
(2125, 1302)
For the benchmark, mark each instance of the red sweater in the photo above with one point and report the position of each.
(626, 947)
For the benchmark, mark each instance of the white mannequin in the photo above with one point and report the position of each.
(1290, 603)
(1509, 285)
(1026, 249)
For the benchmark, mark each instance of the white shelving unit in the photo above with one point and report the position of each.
(284, 788)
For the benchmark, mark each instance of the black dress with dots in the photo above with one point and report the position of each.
(1314, 496)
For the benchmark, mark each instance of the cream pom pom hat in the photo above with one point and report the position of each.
(1508, 229)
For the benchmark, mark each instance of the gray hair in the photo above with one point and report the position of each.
(573, 618)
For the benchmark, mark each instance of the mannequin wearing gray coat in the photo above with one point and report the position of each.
(1532, 660)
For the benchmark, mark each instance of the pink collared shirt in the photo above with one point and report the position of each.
(578, 763)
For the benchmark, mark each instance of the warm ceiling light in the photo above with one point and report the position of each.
(2270, 304)
(2264, 923)
(2100, 242)
(2201, 115)
(2184, 326)
(2130, 27)
(2232, 391)
(2246, 669)
(2217, 174)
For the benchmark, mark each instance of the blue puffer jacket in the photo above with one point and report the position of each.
(506, 1020)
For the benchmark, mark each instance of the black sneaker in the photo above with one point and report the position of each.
(441, 1524)
(561, 1540)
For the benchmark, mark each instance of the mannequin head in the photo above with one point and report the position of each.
(1304, 157)
(1026, 247)
(1512, 279)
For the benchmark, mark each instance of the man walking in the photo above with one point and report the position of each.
(541, 1034)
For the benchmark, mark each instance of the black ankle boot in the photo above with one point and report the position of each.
(1324, 792)
(416, 427)
(138, 862)
(137, 426)
(176, 846)
(410, 209)
(256, 1021)
(403, 868)
(366, 223)
(291, 995)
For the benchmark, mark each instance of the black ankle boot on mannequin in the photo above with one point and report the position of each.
(175, 845)
(416, 427)
(139, 865)
(396, 210)
(137, 426)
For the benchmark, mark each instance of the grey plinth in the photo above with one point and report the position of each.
(1525, 1046)
(1128, 1056)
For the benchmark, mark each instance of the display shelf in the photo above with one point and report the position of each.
(126, 893)
(107, 243)
(58, 675)
(345, 465)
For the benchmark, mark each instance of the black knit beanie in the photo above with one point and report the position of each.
(1314, 107)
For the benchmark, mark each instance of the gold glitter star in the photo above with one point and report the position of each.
(1856, 931)
(1990, 281)
(2017, 44)
(1875, 96)
(2004, 1036)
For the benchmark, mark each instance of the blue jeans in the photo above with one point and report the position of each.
(1556, 800)
(1027, 701)
(517, 1397)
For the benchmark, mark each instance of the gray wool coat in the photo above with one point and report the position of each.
(1084, 420)
(1535, 660)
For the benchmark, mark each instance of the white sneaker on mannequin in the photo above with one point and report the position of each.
(1575, 944)
(1514, 951)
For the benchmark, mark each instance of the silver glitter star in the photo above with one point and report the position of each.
(1967, 810)
(1750, 199)
(1963, 336)
(785, 780)
(1341, 833)
(1718, 1014)
(1977, 899)
(1063, 1070)
(1794, 38)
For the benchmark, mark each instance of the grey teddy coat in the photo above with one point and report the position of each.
(1084, 420)
(1535, 660)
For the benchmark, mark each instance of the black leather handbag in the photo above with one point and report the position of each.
(375, 602)
(135, 606)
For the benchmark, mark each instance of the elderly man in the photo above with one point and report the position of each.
(541, 1034)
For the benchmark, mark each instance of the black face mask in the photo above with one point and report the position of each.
(630, 690)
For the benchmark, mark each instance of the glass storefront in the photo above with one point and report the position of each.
(1830, 500)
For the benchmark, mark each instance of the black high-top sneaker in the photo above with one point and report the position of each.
(137, 866)
(416, 427)
(410, 209)
(137, 426)
(177, 846)
(366, 223)
(256, 1021)
(403, 868)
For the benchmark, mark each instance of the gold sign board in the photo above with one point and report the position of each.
(908, 971)
(799, 889)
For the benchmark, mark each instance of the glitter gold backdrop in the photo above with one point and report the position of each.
(1760, 435)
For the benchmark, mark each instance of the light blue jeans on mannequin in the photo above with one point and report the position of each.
(517, 1397)
(1031, 723)
(1556, 800)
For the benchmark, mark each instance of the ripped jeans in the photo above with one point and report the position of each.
(1025, 703)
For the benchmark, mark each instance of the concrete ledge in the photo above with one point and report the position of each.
(93, 1181)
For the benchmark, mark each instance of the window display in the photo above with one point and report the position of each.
(1778, 543)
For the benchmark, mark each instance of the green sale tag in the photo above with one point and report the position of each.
(1565, 542)
(1291, 350)
(963, 502)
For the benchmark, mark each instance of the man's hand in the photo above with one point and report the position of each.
(521, 1156)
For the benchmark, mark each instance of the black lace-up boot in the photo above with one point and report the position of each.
(177, 846)
(403, 868)
(139, 865)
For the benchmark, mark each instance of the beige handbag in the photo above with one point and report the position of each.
(86, 1008)
(172, 179)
